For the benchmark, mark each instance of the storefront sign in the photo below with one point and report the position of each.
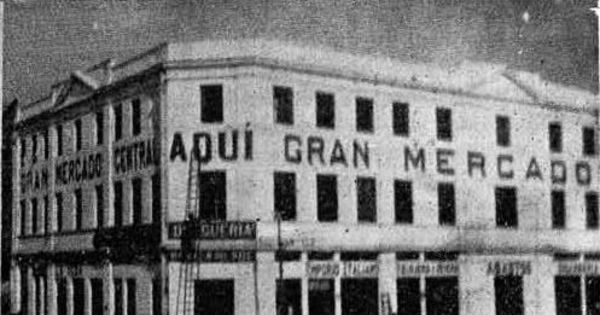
(227, 230)
(415, 269)
(134, 157)
(80, 169)
(513, 268)
(214, 256)
(579, 268)
(348, 269)
(69, 271)
(34, 180)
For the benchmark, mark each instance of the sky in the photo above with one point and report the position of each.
(45, 40)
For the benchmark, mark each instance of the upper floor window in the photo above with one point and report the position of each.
(59, 212)
(503, 131)
(46, 145)
(99, 205)
(285, 195)
(23, 151)
(156, 193)
(327, 198)
(444, 123)
(446, 204)
(213, 192)
(211, 103)
(555, 134)
(34, 141)
(34, 216)
(23, 206)
(591, 209)
(136, 117)
(136, 200)
(364, 114)
(325, 110)
(403, 201)
(400, 119)
(367, 199)
(99, 127)
(589, 141)
(118, 115)
(118, 203)
(77, 135)
(283, 103)
(506, 207)
(558, 209)
(78, 209)
(59, 140)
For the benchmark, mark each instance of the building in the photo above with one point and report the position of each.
(368, 185)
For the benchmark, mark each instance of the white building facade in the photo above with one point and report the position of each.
(405, 189)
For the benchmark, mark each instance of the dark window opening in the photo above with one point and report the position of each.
(503, 131)
(589, 141)
(287, 255)
(442, 256)
(409, 296)
(59, 140)
(508, 291)
(289, 295)
(46, 144)
(136, 198)
(441, 295)
(591, 209)
(118, 113)
(360, 296)
(23, 206)
(318, 255)
(327, 199)
(211, 103)
(156, 296)
(558, 209)
(325, 110)
(131, 297)
(567, 290)
(46, 215)
(506, 207)
(99, 206)
(355, 256)
(34, 216)
(283, 103)
(444, 123)
(118, 284)
(34, 142)
(367, 199)
(156, 203)
(565, 256)
(403, 203)
(136, 117)
(401, 119)
(118, 203)
(78, 296)
(364, 114)
(407, 255)
(97, 296)
(77, 135)
(99, 127)
(592, 295)
(61, 296)
(213, 195)
(23, 151)
(285, 195)
(214, 297)
(555, 134)
(59, 212)
(321, 297)
(78, 209)
(446, 204)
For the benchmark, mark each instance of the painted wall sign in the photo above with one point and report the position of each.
(415, 269)
(349, 269)
(69, 271)
(79, 169)
(34, 179)
(216, 230)
(315, 150)
(227, 143)
(513, 268)
(579, 268)
(135, 156)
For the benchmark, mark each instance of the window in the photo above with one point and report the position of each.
(213, 192)
(506, 207)
(409, 296)
(118, 203)
(23, 151)
(24, 291)
(77, 135)
(23, 206)
(320, 255)
(61, 296)
(589, 141)
(136, 198)
(442, 256)
(327, 199)
(358, 256)
(34, 143)
(567, 290)
(118, 297)
(321, 296)
(78, 209)
(325, 110)
(156, 296)
(136, 117)
(403, 203)
(46, 145)
(444, 123)
(97, 296)
(503, 131)
(400, 119)
(446, 204)
(508, 291)
(47, 228)
(288, 297)
(99, 127)
(211, 103)
(441, 295)
(156, 198)
(592, 294)
(59, 140)
(78, 296)
(591, 209)
(99, 206)
(364, 114)
(283, 102)
(59, 212)
(360, 296)
(214, 297)
(285, 195)
(407, 255)
(555, 134)
(34, 216)
(131, 297)
(287, 255)
(366, 192)
(558, 209)
(118, 113)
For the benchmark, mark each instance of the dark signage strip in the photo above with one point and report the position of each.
(214, 256)
(222, 230)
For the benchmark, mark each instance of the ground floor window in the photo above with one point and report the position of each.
(569, 298)
(289, 297)
(321, 297)
(508, 291)
(441, 296)
(97, 296)
(61, 296)
(78, 296)
(360, 297)
(213, 297)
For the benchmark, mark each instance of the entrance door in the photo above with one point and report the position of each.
(409, 298)
(360, 297)
(320, 297)
(509, 295)
(592, 293)
(213, 297)
(441, 296)
(568, 295)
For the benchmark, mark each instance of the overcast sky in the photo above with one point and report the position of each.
(47, 39)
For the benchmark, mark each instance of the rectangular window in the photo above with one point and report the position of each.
(61, 296)
(213, 192)
(118, 284)
(131, 297)
(59, 140)
(506, 207)
(214, 297)
(34, 216)
(403, 203)
(46, 145)
(508, 291)
(567, 291)
(97, 296)
(287, 255)
(325, 110)
(285, 195)
(444, 123)
(99, 206)
(441, 295)
(77, 135)
(366, 192)
(118, 115)
(78, 209)
(34, 142)
(156, 296)
(327, 199)
(400, 119)
(78, 296)
(321, 296)
(364, 114)
(99, 127)
(136, 117)
(442, 255)
(503, 131)
(288, 297)
(23, 151)
(118, 203)
(23, 206)
(589, 141)
(558, 209)
(211, 103)
(446, 204)
(156, 198)
(283, 102)
(591, 209)
(592, 295)
(555, 133)
(360, 296)
(24, 291)
(320, 255)
(407, 255)
(409, 296)
(47, 229)
(136, 198)
(59, 212)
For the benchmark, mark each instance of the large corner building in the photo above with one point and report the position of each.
(319, 183)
